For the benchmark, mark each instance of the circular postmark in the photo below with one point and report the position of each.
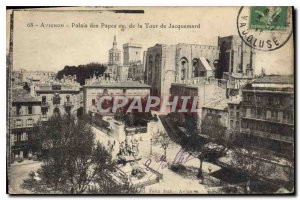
(265, 28)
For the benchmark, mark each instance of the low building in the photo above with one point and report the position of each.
(235, 82)
(59, 97)
(217, 109)
(36, 76)
(268, 113)
(96, 87)
(234, 116)
(23, 120)
(205, 90)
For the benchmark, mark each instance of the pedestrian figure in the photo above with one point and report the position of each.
(209, 169)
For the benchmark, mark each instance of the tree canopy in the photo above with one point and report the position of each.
(72, 162)
(82, 72)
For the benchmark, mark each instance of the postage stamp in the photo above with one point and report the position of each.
(265, 28)
(268, 18)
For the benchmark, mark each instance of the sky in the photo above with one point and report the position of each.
(38, 48)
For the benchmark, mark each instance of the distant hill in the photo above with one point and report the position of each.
(82, 72)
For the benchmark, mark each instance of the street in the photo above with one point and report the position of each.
(18, 172)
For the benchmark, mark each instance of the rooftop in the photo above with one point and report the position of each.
(238, 75)
(21, 95)
(275, 79)
(130, 44)
(218, 105)
(117, 84)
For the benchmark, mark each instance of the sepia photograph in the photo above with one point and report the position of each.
(150, 100)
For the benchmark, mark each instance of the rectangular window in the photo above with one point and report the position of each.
(231, 113)
(18, 123)
(29, 122)
(231, 123)
(276, 100)
(237, 124)
(25, 110)
(269, 101)
(259, 113)
(15, 139)
(14, 110)
(253, 112)
(291, 102)
(258, 99)
(56, 100)
(30, 110)
(268, 116)
(24, 137)
(248, 112)
(93, 102)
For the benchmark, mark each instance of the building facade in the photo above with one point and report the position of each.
(133, 58)
(167, 64)
(95, 88)
(205, 91)
(217, 109)
(23, 120)
(268, 113)
(136, 71)
(36, 76)
(235, 56)
(132, 53)
(234, 114)
(59, 98)
(122, 73)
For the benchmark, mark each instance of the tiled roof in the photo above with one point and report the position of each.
(276, 79)
(21, 95)
(125, 84)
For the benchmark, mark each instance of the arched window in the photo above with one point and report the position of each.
(183, 69)
(195, 67)
(68, 98)
(56, 112)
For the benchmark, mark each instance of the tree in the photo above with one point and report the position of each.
(213, 129)
(253, 164)
(67, 151)
(164, 140)
(71, 161)
(206, 144)
(289, 171)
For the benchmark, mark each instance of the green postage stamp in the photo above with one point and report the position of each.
(272, 18)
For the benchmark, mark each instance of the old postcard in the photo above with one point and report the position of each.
(150, 100)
